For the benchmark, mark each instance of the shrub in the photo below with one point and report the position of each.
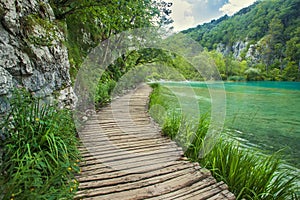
(236, 78)
(39, 150)
(253, 74)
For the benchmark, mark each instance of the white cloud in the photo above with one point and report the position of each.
(190, 13)
(235, 5)
(182, 15)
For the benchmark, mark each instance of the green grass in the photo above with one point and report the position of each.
(39, 151)
(249, 173)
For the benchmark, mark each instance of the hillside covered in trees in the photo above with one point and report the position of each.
(260, 42)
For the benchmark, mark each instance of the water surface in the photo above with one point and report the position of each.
(261, 114)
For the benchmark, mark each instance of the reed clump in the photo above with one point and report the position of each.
(39, 150)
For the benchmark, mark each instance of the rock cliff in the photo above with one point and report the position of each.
(243, 50)
(32, 53)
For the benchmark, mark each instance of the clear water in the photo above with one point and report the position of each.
(261, 114)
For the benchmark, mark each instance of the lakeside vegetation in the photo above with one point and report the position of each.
(249, 173)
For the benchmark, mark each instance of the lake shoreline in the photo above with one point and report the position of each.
(249, 105)
(227, 160)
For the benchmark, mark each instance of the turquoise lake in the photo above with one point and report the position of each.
(265, 115)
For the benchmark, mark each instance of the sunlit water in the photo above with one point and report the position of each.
(260, 114)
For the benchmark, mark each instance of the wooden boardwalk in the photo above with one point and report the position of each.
(125, 157)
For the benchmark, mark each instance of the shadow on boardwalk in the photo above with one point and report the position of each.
(125, 157)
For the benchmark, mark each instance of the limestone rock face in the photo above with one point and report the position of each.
(240, 50)
(32, 53)
(222, 48)
(253, 55)
(236, 49)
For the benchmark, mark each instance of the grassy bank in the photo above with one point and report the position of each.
(249, 173)
(38, 151)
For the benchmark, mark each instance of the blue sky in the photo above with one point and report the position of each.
(190, 13)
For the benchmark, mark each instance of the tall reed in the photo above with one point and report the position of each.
(249, 173)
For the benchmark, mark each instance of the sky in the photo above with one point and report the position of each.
(190, 13)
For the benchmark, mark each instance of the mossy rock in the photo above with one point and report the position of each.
(47, 30)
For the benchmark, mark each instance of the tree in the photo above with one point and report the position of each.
(253, 74)
(293, 46)
(90, 22)
(291, 72)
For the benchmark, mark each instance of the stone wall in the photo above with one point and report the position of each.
(32, 53)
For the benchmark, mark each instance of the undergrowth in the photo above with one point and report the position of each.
(39, 146)
(249, 173)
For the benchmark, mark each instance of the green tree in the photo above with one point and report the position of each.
(291, 72)
(90, 22)
(253, 74)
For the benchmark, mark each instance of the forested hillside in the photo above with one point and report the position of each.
(259, 42)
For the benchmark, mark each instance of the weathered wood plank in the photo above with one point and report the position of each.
(129, 165)
(129, 147)
(101, 169)
(164, 183)
(116, 152)
(101, 175)
(120, 178)
(208, 181)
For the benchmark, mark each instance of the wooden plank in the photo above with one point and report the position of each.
(119, 140)
(171, 180)
(101, 169)
(120, 136)
(205, 182)
(105, 173)
(132, 147)
(132, 161)
(91, 165)
(106, 144)
(225, 194)
(120, 178)
(134, 155)
(205, 193)
(116, 152)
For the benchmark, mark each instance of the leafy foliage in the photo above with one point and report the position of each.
(91, 22)
(39, 150)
